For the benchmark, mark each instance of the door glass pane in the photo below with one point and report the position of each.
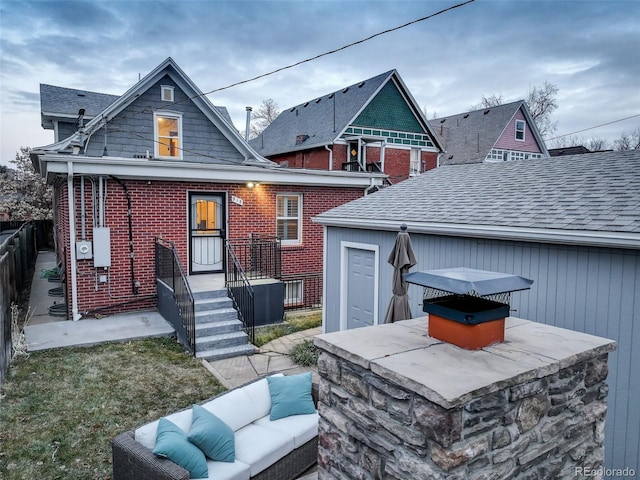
(206, 216)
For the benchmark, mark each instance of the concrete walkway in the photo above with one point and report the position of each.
(271, 357)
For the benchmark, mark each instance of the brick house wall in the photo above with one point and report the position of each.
(160, 209)
(396, 161)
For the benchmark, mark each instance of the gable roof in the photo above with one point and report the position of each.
(591, 199)
(324, 119)
(219, 117)
(468, 137)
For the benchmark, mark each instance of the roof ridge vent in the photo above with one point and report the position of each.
(487, 111)
(331, 95)
(466, 115)
(345, 90)
(318, 99)
(361, 84)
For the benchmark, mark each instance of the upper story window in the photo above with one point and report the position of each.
(289, 218)
(168, 135)
(520, 130)
(166, 93)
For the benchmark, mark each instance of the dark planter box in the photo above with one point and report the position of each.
(466, 309)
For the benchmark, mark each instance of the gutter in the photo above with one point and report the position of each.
(536, 235)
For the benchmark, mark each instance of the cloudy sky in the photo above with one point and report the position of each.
(589, 49)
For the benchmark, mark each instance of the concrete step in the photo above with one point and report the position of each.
(206, 294)
(223, 340)
(218, 315)
(212, 303)
(218, 327)
(229, 352)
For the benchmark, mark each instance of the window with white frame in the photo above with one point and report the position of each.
(293, 292)
(520, 130)
(289, 218)
(166, 93)
(168, 135)
(414, 162)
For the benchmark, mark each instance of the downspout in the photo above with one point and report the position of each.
(438, 158)
(383, 144)
(326, 147)
(369, 188)
(75, 316)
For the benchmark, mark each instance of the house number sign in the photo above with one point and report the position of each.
(237, 200)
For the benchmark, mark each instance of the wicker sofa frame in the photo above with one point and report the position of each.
(133, 461)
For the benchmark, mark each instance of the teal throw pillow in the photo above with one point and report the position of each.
(211, 435)
(172, 443)
(290, 395)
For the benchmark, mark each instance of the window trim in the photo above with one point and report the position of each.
(298, 240)
(167, 88)
(156, 137)
(523, 130)
(415, 160)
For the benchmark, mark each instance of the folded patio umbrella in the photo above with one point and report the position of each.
(402, 258)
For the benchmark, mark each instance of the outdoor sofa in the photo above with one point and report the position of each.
(264, 449)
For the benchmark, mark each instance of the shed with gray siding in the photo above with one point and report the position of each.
(572, 224)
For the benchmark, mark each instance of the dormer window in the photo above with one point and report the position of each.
(168, 135)
(166, 93)
(520, 130)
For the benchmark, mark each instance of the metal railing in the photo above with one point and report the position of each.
(259, 256)
(175, 300)
(240, 291)
(302, 290)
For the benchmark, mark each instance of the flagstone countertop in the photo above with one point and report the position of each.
(404, 353)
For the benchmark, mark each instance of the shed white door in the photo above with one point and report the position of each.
(361, 288)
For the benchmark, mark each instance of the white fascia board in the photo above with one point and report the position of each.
(536, 235)
(187, 171)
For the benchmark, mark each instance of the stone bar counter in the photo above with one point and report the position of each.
(398, 404)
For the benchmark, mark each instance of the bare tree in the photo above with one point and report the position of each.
(25, 195)
(541, 102)
(266, 113)
(596, 144)
(628, 141)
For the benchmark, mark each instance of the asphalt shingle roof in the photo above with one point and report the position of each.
(592, 192)
(68, 101)
(322, 118)
(469, 136)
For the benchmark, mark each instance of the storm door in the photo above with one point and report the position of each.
(206, 232)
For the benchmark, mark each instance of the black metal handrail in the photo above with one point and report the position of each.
(259, 256)
(169, 271)
(240, 291)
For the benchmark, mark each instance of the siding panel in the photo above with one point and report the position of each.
(593, 290)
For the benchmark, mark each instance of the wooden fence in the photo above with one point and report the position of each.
(17, 255)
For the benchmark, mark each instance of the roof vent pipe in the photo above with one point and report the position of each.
(248, 127)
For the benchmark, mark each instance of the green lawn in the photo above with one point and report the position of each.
(60, 408)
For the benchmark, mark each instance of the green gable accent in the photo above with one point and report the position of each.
(389, 110)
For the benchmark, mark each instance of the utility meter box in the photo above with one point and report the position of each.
(102, 247)
(84, 250)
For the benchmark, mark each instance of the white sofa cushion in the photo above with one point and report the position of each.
(146, 434)
(261, 447)
(301, 427)
(234, 408)
(228, 471)
(260, 395)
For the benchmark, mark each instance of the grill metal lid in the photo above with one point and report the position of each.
(464, 280)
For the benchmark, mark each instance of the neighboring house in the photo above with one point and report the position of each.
(161, 161)
(494, 134)
(571, 224)
(575, 150)
(374, 125)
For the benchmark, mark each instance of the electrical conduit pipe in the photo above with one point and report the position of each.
(75, 316)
